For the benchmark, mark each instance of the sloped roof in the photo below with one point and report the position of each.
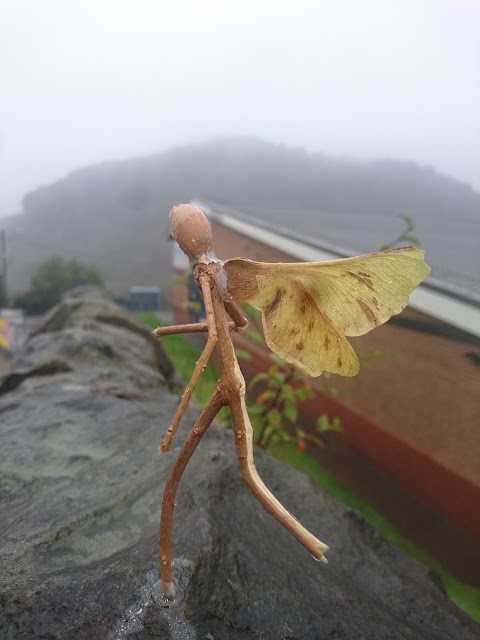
(451, 293)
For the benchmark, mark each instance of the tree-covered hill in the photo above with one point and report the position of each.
(114, 215)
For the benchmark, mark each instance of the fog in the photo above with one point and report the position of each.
(85, 82)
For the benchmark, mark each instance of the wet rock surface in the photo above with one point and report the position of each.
(80, 490)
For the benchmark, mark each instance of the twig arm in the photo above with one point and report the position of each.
(197, 327)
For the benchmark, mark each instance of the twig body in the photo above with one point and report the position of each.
(230, 392)
(308, 310)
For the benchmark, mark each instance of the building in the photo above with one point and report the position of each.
(144, 299)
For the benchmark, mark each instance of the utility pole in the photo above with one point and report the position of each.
(3, 250)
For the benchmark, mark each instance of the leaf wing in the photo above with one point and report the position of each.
(299, 332)
(346, 297)
(359, 294)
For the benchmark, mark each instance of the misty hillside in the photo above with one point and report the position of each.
(114, 215)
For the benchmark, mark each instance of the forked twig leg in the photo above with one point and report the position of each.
(214, 405)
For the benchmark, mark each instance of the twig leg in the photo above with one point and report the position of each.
(244, 444)
(187, 394)
(214, 405)
(234, 382)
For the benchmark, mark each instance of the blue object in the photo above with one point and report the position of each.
(144, 299)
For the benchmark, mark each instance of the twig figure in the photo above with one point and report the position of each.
(307, 310)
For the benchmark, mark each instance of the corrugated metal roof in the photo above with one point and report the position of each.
(451, 293)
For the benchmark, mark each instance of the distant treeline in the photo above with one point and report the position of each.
(114, 215)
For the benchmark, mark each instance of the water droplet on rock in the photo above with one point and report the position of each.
(322, 559)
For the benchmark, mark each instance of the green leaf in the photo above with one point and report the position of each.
(290, 410)
(273, 369)
(242, 354)
(256, 379)
(257, 423)
(278, 378)
(303, 393)
(323, 423)
(256, 409)
(336, 424)
(274, 418)
(408, 221)
(288, 393)
(415, 240)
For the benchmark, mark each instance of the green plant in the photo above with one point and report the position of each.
(53, 278)
(405, 236)
(274, 398)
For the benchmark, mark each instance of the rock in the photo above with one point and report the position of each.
(92, 332)
(80, 489)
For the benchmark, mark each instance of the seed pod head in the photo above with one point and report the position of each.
(191, 230)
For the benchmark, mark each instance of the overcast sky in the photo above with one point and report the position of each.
(83, 82)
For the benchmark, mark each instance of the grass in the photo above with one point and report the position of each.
(184, 355)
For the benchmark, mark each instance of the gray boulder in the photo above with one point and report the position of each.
(94, 334)
(80, 490)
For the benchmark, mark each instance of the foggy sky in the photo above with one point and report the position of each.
(83, 82)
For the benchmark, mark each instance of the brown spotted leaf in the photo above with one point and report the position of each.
(301, 333)
(308, 308)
